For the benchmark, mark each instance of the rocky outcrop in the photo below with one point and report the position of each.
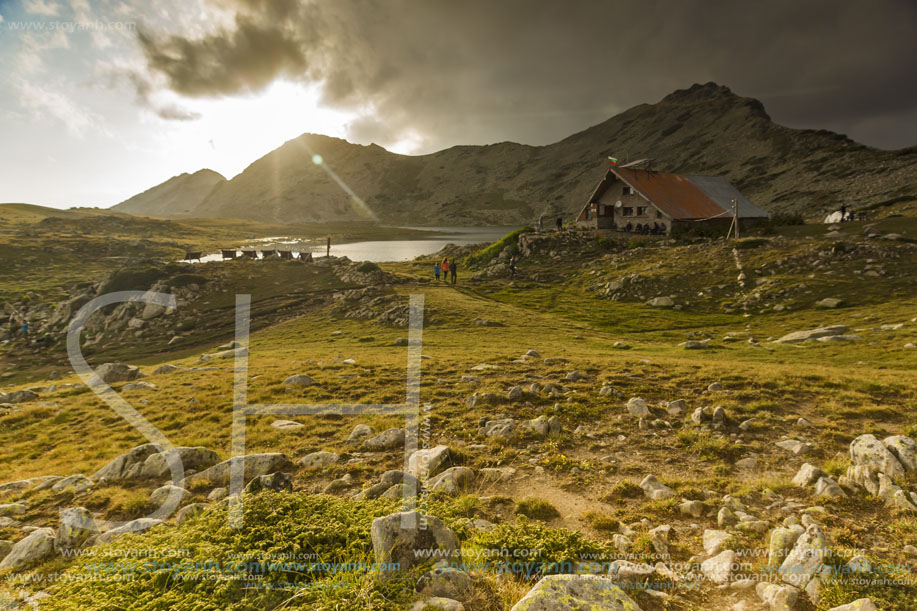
(254, 465)
(411, 538)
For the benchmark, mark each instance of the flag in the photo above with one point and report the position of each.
(613, 160)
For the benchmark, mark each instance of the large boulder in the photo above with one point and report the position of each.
(575, 593)
(127, 465)
(37, 546)
(76, 527)
(254, 465)
(807, 558)
(197, 458)
(781, 544)
(111, 373)
(868, 451)
(410, 538)
(905, 450)
(719, 568)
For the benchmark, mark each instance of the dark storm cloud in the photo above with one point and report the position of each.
(537, 70)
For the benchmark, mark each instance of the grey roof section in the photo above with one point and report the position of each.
(722, 192)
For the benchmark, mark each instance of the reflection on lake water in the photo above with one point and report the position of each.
(380, 251)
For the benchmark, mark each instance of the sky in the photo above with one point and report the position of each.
(106, 98)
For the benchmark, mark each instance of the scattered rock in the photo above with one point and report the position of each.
(134, 526)
(801, 336)
(156, 466)
(861, 604)
(361, 432)
(399, 536)
(189, 511)
(254, 465)
(718, 569)
(319, 460)
(300, 379)
(637, 407)
(36, 547)
(654, 489)
(829, 303)
(715, 541)
(806, 559)
(127, 465)
(427, 462)
(76, 527)
(278, 482)
(571, 592)
(286, 425)
(808, 474)
(73, 484)
(111, 373)
(18, 396)
(386, 440)
(446, 582)
(868, 451)
(795, 446)
(777, 597)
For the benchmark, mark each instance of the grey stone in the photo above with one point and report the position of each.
(715, 541)
(452, 481)
(18, 396)
(361, 432)
(718, 569)
(777, 597)
(503, 427)
(515, 393)
(860, 604)
(386, 440)
(254, 465)
(795, 446)
(438, 602)
(111, 373)
(828, 488)
(286, 425)
(36, 547)
(806, 559)
(156, 466)
(319, 460)
(654, 489)
(801, 336)
(781, 543)
(74, 484)
(11, 509)
(808, 474)
(134, 526)
(189, 511)
(300, 379)
(398, 537)
(278, 482)
(447, 582)
(427, 462)
(905, 450)
(76, 527)
(868, 451)
(158, 496)
(829, 303)
(127, 465)
(637, 407)
(576, 592)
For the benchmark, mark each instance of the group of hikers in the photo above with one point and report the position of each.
(446, 267)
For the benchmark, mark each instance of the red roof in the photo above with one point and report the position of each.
(674, 194)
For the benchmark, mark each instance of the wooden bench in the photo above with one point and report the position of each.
(249, 254)
(285, 254)
(268, 253)
(190, 256)
(228, 254)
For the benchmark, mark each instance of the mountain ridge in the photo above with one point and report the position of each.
(705, 129)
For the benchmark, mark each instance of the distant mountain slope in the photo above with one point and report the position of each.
(702, 130)
(179, 195)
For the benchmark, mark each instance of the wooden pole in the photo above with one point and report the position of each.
(328, 248)
(735, 216)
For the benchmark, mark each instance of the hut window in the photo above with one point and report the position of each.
(641, 210)
(658, 215)
(628, 211)
(628, 190)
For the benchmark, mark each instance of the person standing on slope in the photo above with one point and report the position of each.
(436, 271)
(453, 268)
(444, 266)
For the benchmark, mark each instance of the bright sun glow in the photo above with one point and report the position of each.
(234, 132)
